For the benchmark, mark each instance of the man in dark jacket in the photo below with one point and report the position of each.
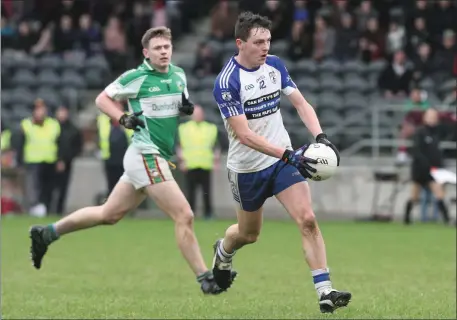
(346, 46)
(395, 79)
(70, 146)
(445, 57)
(426, 155)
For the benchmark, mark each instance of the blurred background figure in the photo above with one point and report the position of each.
(346, 45)
(40, 154)
(427, 156)
(396, 38)
(25, 37)
(414, 108)
(300, 43)
(65, 35)
(70, 146)
(223, 18)
(323, 40)
(364, 13)
(207, 62)
(428, 203)
(277, 12)
(89, 35)
(6, 145)
(113, 141)
(115, 44)
(9, 202)
(422, 62)
(199, 155)
(416, 35)
(444, 61)
(372, 41)
(396, 77)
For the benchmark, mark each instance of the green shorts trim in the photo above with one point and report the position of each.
(152, 167)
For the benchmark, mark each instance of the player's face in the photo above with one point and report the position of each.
(159, 52)
(256, 48)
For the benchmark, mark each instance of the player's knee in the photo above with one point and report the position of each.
(307, 222)
(250, 237)
(185, 217)
(112, 217)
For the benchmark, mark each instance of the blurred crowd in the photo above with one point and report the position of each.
(419, 37)
(45, 140)
(113, 28)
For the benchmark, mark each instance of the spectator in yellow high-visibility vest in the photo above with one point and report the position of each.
(7, 153)
(39, 150)
(199, 154)
(113, 141)
(6, 138)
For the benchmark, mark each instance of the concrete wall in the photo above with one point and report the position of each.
(349, 194)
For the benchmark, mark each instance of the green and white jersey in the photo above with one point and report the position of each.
(159, 95)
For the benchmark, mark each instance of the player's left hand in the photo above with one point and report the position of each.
(322, 138)
(187, 106)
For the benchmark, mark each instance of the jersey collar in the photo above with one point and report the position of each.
(241, 67)
(147, 64)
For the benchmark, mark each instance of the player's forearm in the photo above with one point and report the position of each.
(309, 118)
(260, 144)
(108, 106)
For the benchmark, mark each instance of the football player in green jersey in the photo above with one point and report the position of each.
(157, 94)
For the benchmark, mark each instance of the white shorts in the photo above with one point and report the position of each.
(142, 170)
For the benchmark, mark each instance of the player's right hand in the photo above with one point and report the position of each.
(295, 158)
(131, 121)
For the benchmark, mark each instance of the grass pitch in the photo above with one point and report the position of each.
(134, 271)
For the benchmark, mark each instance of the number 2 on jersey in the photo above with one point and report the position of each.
(262, 84)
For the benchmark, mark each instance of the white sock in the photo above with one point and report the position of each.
(226, 257)
(321, 279)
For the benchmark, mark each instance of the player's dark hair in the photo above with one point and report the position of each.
(248, 21)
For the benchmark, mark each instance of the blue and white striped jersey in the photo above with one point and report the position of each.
(256, 93)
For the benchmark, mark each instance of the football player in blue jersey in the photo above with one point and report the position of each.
(261, 162)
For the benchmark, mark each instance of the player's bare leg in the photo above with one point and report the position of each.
(246, 231)
(170, 199)
(297, 201)
(123, 199)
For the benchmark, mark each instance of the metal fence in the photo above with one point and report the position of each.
(382, 134)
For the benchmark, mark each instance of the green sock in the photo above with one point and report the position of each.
(204, 275)
(49, 234)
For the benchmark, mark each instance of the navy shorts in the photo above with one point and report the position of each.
(251, 190)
